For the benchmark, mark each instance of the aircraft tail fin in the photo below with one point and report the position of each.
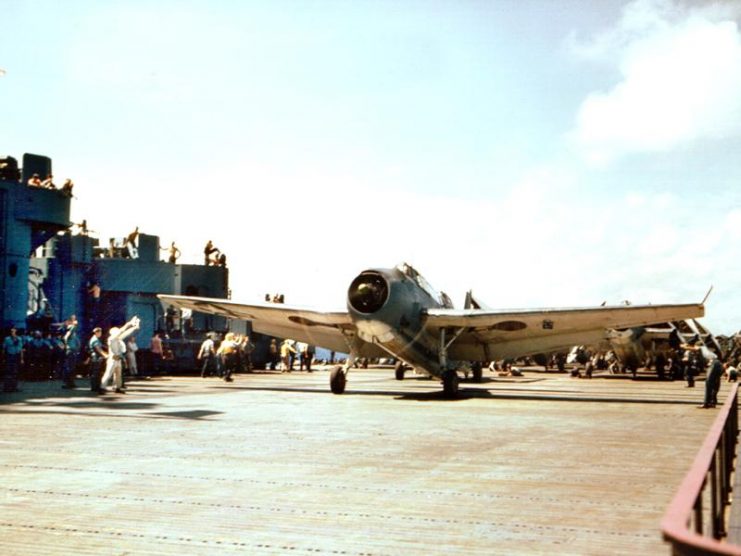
(472, 303)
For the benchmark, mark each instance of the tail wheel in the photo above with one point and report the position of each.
(337, 380)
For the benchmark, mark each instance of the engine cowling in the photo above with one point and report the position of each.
(387, 307)
(368, 293)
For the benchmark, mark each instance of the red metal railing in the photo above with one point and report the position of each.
(694, 523)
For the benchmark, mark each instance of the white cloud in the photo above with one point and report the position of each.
(546, 242)
(680, 82)
(732, 224)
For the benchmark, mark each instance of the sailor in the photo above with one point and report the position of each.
(71, 353)
(301, 349)
(174, 253)
(228, 352)
(207, 251)
(116, 352)
(158, 352)
(130, 243)
(93, 299)
(246, 347)
(98, 358)
(38, 356)
(82, 227)
(131, 349)
(34, 181)
(310, 352)
(273, 353)
(48, 183)
(13, 349)
(287, 354)
(207, 354)
(306, 355)
(712, 384)
(67, 187)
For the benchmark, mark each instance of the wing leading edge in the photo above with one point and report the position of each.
(487, 335)
(326, 329)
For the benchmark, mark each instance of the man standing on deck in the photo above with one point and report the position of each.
(228, 354)
(174, 253)
(712, 384)
(207, 252)
(207, 354)
(131, 243)
(13, 350)
(131, 349)
(98, 358)
(116, 353)
(71, 353)
(287, 353)
(158, 353)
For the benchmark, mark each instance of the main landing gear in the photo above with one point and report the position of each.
(337, 380)
(338, 375)
(399, 370)
(477, 371)
(450, 384)
(449, 376)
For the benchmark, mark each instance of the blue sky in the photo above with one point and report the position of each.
(541, 153)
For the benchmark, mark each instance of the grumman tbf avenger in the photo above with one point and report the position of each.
(396, 312)
(640, 345)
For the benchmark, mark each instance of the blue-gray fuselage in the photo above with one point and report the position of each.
(388, 308)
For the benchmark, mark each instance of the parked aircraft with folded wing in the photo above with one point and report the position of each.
(396, 312)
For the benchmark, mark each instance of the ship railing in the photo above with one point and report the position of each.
(695, 522)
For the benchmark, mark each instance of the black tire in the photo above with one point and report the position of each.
(399, 370)
(478, 373)
(337, 380)
(450, 384)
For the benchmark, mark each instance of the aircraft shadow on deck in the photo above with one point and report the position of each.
(423, 396)
(467, 394)
(554, 397)
(111, 407)
(483, 393)
(194, 414)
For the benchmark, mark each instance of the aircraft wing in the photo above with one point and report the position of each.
(486, 335)
(324, 329)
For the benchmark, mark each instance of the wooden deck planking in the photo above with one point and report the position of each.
(273, 464)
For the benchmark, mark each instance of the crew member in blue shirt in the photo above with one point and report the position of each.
(13, 350)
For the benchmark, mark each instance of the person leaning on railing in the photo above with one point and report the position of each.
(712, 384)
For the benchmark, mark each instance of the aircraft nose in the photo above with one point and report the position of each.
(369, 292)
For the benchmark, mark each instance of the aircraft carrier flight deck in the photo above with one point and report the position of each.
(274, 464)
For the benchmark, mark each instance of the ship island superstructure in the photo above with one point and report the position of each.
(51, 269)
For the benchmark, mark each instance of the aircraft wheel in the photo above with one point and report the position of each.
(399, 370)
(337, 380)
(450, 384)
(477, 371)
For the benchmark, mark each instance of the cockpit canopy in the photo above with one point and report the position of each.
(410, 272)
